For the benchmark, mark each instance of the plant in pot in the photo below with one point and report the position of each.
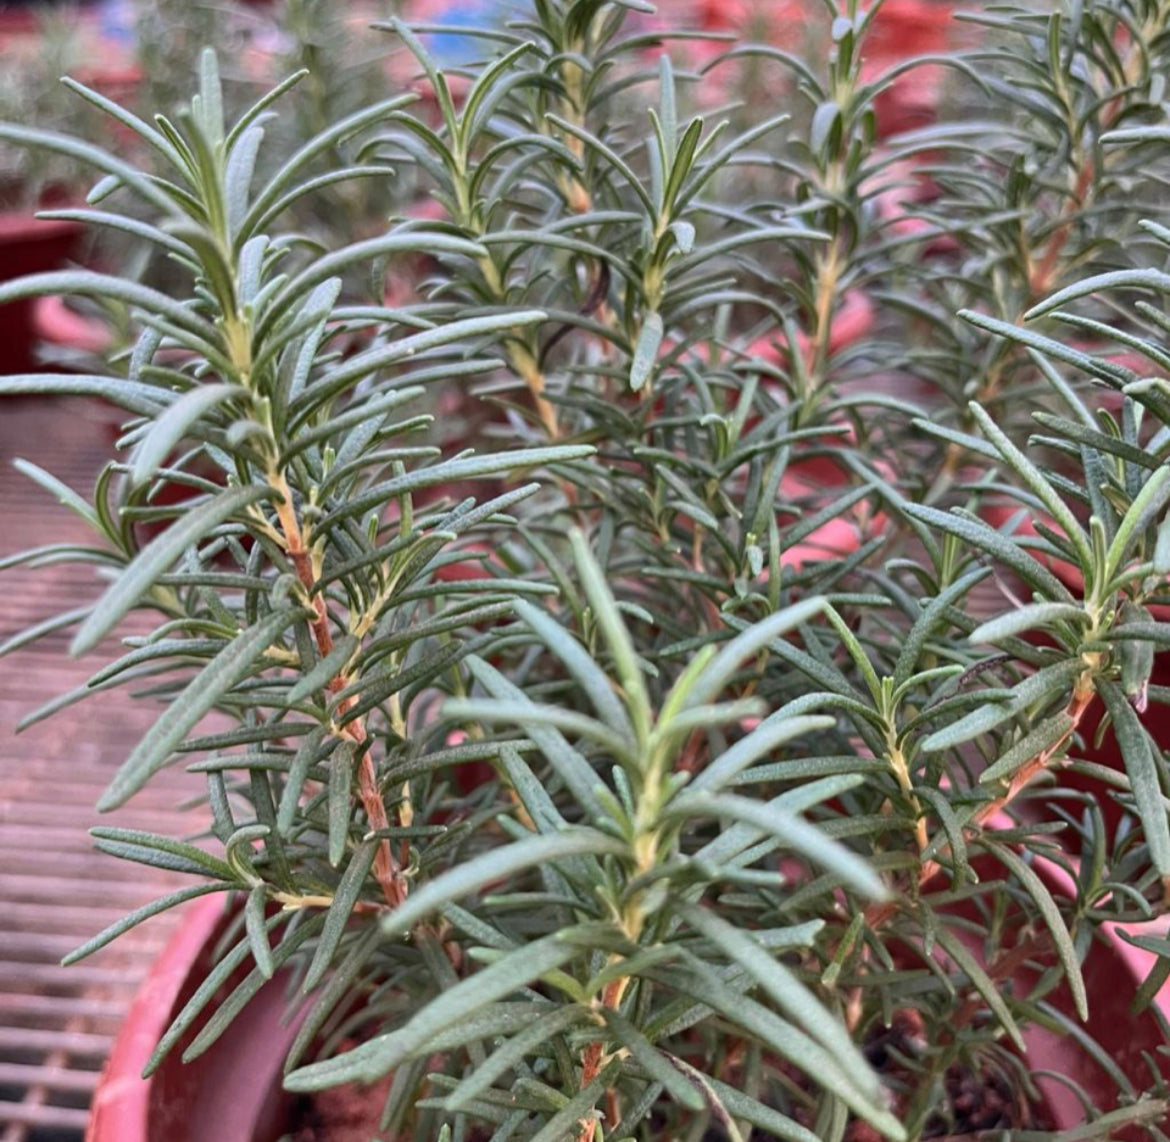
(30, 92)
(761, 847)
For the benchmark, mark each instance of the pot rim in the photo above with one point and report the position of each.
(121, 1103)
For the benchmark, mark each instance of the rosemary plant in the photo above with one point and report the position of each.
(715, 771)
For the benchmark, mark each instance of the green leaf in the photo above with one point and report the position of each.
(340, 783)
(931, 617)
(227, 1010)
(795, 833)
(260, 212)
(220, 675)
(211, 96)
(1035, 480)
(770, 733)
(1137, 753)
(824, 119)
(1116, 279)
(513, 1052)
(154, 908)
(157, 557)
(722, 668)
(580, 1108)
(326, 669)
(730, 843)
(125, 225)
(1065, 950)
(586, 673)
(611, 157)
(59, 490)
(207, 990)
(526, 713)
(572, 768)
(749, 1109)
(174, 424)
(135, 397)
(653, 1062)
(73, 148)
(205, 864)
(338, 988)
(704, 985)
(788, 993)
(345, 896)
(1028, 617)
(455, 1006)
(39, 630)
(980, 980)
(453, 471)
(617, 637)
(257, 933)
(495, 865)
(86, 283)
(127, 118)
(1153, 497)
(646, 351)
(999, 547)
(1095, 367)
(1147, 1110)
(1044, 684)
(298, 772)
(1038, 739)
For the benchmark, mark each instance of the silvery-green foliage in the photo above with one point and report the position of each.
(582, 777)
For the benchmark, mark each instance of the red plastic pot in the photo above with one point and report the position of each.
(55, 322)
(852, 321)
(233, 1092)
(901, 30)
(1112, 971)
(230, 1094)
(28, 245)
(815, 481)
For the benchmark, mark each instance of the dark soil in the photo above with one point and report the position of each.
(340, 1114)
(974, 1103)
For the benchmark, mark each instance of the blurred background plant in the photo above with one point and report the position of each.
(31, 92)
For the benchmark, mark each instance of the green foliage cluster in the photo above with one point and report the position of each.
(688, 752)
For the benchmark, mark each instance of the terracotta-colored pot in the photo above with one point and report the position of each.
(230, 1094)
(28, 245)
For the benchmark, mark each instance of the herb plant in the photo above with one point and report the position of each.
(701, 750)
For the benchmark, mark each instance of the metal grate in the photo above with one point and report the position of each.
(58, 1024)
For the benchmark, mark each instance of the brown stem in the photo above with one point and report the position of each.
(526, 365)
(385, 869)
(1001, 969)
(591, 1060)
(1040, 280)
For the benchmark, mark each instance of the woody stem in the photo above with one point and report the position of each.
(385, 869)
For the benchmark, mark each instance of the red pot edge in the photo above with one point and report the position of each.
(120, 1111)
(23, 227)
(54, 322)
(1127, 964)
